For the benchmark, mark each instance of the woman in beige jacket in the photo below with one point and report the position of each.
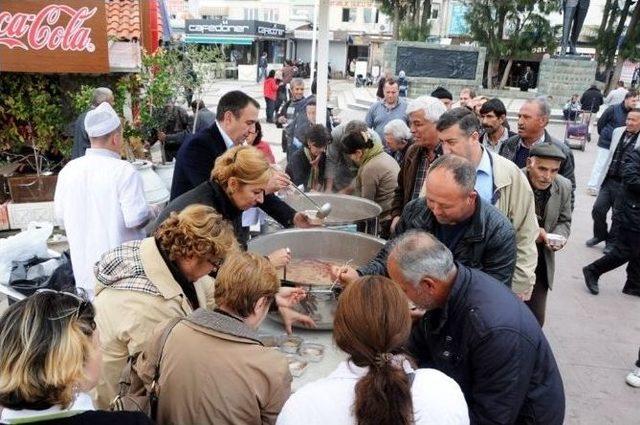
(142, 283)
(377, 177)
(214, 369)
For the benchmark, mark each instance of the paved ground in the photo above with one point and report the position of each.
(595, 338)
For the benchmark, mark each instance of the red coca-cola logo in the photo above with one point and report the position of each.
(41, 32)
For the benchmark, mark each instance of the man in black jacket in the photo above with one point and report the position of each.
(626, 247)
(592, 99)
(475, 231)
(236, 116)
(480, 335)
(533, 118)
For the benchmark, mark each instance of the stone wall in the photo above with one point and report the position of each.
(562, 77)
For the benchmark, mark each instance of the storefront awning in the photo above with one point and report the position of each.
(203, 39)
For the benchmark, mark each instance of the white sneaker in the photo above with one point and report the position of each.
(633, 378)
(592, 191)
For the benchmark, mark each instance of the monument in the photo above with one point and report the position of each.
(431, 65)
(568, 73)
(574, 11)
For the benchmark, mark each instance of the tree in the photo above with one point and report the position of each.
(410, 18)
(610, 40)
(510, 29)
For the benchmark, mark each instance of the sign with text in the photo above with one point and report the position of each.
(234, 27)
(64, 36)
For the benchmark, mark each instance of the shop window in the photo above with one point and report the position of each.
(348, 15)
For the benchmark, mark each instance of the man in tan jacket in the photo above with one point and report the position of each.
(500, 182)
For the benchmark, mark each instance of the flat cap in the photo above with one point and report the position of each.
(547, 150)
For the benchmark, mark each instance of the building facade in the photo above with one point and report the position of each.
(357, 29)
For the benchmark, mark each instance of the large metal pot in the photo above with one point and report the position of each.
(322, 244)
(345, 210)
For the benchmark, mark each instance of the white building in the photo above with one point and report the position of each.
(357, 28)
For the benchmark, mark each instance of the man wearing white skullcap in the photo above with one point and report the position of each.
(99, 197)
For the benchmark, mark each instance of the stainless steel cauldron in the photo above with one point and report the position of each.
(321, 244)
(345, 210)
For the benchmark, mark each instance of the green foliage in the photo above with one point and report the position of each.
(32, 115)
(82, 99)
(413, 32)
(509, 28)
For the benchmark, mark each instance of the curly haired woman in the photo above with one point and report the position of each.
(142, 283)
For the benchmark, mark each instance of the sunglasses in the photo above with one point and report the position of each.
(82, 303)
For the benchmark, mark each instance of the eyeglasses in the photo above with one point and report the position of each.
(216, 265)
(82, 303)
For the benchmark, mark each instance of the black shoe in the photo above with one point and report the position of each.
(593, 242)
(591, 280)
(607, 249)
(628, 291)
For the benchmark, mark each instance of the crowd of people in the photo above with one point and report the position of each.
(443, 325)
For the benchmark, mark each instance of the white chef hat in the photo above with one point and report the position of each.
(101, 120)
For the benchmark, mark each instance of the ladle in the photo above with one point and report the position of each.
(323, 211)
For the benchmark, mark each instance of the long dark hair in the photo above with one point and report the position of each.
(372, 324)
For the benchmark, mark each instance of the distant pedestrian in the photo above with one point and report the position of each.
(571, 109)
(270, 91)
(262, 67)
(616, 95)
(390, 107)
(403, 84)
(613, 117)
(592, 99)
(388, 75)
(526, 80)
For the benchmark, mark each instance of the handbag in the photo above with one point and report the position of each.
(133, 395)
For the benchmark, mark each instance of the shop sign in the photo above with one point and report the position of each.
(234, 27)
(67, 36)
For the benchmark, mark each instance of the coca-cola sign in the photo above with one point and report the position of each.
(64, 36)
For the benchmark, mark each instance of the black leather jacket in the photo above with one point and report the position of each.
(488, 244)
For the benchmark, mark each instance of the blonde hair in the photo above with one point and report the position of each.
(242, 280)
(196, 231)
(46, 343)
(245, 163)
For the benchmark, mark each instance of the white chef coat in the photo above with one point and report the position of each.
(437, 399)
(100, 201)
